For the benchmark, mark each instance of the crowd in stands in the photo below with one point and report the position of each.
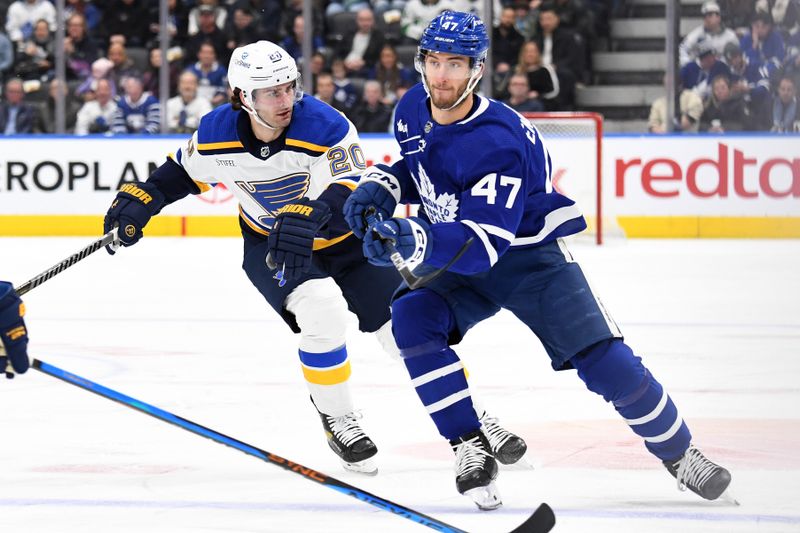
(363, 59)
(739, 69)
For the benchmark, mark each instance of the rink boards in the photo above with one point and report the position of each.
(652, 186)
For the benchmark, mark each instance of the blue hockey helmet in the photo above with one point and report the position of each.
(458, 33)
(454, 32)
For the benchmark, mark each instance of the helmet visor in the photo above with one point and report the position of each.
(435, 65)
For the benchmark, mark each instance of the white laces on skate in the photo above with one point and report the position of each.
(346, 427)
(496, 434)
(694, 469)
(469, 455)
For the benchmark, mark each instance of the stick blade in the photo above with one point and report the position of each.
(542, 520)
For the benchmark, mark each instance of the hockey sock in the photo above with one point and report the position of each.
(610, 368)
(327, 377)
(421, 321)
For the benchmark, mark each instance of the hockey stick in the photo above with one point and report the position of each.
(542, 517)
(108, 238)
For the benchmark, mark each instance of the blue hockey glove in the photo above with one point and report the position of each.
(291, 239)
(411, 238)
(131, 211)
(376, 195)
(13, 335)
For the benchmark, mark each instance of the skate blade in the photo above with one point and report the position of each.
(486, 498)
(366, 467)
(523, 463)
(727, 496)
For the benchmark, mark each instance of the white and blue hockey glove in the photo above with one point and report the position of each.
(411, 238)
(376, 196)
(13, 335)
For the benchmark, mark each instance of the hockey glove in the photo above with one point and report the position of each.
(131, 211)
(410, 236)
(376, 196)
(13, 335)
(291, 239)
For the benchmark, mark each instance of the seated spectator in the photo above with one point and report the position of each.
(96, 116)
(122, 66)
(391, 74)
(293, 43)
(176, 24)
(526, 15)
(137, 111)
(185, 110)
(691, 109)
(565, 51)
(326, 90)
(506, 42)
(712, 32)
(6, 56)
(16, 115)
(417, 14)
(519, 95)
(698, 74)
(543, 82)
(220, 15)
(763, 45)
(318, 63)
(128, 18)
(345, 92)
(23, 14)
(151, 78)
(785, 14)
(101, 70)
(35, 58)
(724, 112)
(212, 76)
(46, 122)
(267, 14)
(371, 115)
(362, 49)
(242, 28)
(752, 83)
(785, 112)
(737, 14)
(91, 15)
(207, 32)
(79, 48)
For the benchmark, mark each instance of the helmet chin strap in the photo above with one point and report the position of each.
(253, 113)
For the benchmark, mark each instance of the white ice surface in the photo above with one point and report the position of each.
(175, 323)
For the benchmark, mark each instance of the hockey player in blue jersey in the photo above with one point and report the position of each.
(480, 171)
(13, 334)
(291, 161)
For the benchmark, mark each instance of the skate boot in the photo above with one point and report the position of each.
(476, 469)
(506, 447)
(350, 443)
(698, 474)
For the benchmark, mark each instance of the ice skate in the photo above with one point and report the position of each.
(698, 474)
(350, 443)
(476, 469)
(507, 447)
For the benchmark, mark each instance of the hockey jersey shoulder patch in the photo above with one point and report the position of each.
(217, 132)
(315, 127)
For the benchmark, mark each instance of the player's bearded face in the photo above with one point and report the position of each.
(448, 77)
(274, 104)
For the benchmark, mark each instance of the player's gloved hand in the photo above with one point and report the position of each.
(131, 210)
(13, 335)
(411, 238)
(291, 239)
(376, 196)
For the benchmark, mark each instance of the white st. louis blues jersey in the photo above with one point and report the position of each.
(487, 176)
(319, 148)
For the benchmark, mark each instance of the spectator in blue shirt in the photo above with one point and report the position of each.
(137, 111)
(763, 46)
(212, 77)
(15, 115)
(698, 74)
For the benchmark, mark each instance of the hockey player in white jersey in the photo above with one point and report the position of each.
(291, 161)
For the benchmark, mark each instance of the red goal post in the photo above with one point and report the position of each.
(570, 135)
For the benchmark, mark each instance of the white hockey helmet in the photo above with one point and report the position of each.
(261, 65)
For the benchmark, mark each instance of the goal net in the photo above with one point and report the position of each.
(575, 143)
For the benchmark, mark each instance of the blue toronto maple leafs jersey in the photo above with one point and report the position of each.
(487, 176)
